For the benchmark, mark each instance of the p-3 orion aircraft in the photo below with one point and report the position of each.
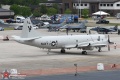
(31, 37)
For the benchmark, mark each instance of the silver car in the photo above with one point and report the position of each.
(18, 28)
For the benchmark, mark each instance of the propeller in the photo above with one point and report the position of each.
(99, 48)
(109, 40)
(109, 43)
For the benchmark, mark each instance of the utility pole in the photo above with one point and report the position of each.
(100, 7)
(76, 73)
(80, 8)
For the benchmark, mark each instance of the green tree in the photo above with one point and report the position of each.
(36, 12)
(25, 11)
(43, 9)
(22, 2)
(85, 13)
(56, 7)
(16, 9)
(35, 2)
(68, 11)
(51, 11)
(5, 1)
(21, 10)
(42, 1)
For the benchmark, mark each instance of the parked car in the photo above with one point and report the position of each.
(18, 27)
(36, 22)
(1, 29)
(20, 19)
(35, 27)
(10, 21)
(83, 30)
(102, 21)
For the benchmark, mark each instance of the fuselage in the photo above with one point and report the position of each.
(56, 42)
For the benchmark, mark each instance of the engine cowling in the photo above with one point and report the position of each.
(88, 48)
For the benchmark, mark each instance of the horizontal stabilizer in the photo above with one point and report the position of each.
(25, 39)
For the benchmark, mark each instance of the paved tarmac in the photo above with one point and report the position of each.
(29, 60)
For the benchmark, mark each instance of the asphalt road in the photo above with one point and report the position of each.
(98, 75)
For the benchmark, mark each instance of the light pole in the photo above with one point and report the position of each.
(100, 7)
(80, 8)
(76, 69)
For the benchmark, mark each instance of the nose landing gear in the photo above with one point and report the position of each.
(84, 52)
(62, 50)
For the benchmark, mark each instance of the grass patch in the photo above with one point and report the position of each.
(114, 24)
(8, 28)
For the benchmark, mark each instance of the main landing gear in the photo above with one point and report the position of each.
(62, 50)
(99, 50)
(84, 52)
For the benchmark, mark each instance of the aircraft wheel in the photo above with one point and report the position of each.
(62, 50)
(99, 50)
(84, 52)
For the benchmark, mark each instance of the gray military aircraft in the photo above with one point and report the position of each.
(105, 30)
(85, 42)
(77, 27)
(56, 26)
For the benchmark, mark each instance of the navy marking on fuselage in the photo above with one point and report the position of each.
(29, 27)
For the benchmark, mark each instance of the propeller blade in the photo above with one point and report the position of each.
(108, 39)
(108, 47)
(108, 43)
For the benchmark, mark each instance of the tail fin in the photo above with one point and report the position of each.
(28, 30)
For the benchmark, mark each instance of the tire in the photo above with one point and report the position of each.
(62, 51)
(84, 52)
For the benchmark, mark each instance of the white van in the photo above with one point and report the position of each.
(20, 19)
(118, 15)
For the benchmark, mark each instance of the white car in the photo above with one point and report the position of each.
(35, 27)
(46, 23)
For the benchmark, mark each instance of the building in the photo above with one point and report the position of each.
(110, 6)
(4, 13)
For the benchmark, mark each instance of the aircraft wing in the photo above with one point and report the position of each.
(25, 39)
(92, 44)
(112, 30)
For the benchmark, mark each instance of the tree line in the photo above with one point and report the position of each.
(22, 2)
(25, 8)
(37, 11)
